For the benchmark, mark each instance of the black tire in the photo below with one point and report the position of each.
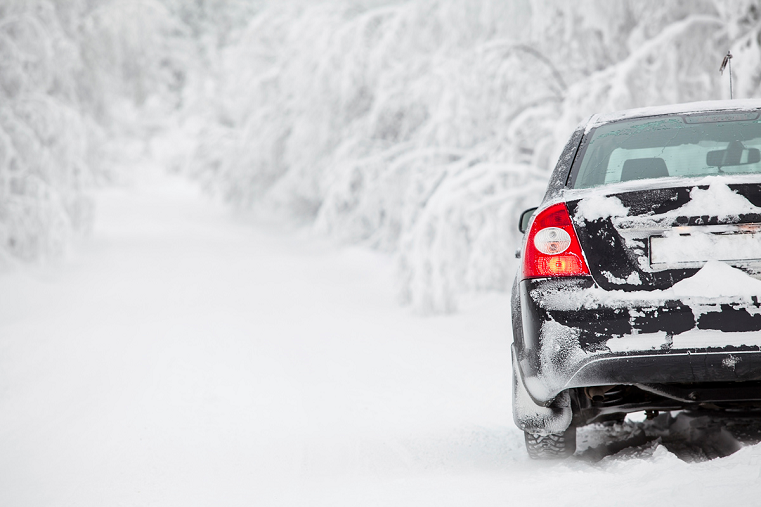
(552, 446)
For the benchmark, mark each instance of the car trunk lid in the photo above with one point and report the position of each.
(647, 239)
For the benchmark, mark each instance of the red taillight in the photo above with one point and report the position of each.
(552, 248)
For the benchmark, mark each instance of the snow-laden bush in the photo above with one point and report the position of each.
(43, 137)
(425, 127)
(67, 69)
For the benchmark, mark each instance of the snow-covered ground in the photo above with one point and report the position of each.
(183, 357)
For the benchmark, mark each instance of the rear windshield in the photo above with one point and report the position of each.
(663, 146)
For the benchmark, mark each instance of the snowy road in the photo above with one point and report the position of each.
(181, 358)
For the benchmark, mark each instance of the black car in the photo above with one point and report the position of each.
(640, 279)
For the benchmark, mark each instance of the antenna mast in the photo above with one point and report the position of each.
(724, 63)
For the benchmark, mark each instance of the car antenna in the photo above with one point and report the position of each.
(727, 61)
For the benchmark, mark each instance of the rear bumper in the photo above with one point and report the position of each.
(576, 335)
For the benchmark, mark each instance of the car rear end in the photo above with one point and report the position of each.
(641, 278)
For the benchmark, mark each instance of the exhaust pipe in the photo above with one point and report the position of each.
(597, 393)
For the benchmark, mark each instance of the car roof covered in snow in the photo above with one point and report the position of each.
(686, 108)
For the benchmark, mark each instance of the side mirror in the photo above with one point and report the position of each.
(525, 219)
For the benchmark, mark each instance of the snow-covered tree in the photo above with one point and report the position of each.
(44, 150)
(425, 127)
(418, 127)
(66, 70)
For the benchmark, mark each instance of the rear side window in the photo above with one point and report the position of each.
(667, 146)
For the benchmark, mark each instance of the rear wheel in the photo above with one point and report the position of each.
(551, 446)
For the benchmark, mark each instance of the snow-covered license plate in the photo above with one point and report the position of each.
(701, 247)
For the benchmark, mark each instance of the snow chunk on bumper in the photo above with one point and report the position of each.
(638, 342)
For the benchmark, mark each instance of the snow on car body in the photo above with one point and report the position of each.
(640, 283)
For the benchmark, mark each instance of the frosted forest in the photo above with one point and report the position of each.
(418, 128)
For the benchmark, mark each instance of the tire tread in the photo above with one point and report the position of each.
(551, 446)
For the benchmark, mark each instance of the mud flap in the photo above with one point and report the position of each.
(555, 417)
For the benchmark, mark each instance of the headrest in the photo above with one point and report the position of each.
(642, 168)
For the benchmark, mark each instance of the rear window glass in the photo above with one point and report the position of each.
(666, 146)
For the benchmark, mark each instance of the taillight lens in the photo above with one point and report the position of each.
(552, 241)
(552, 247)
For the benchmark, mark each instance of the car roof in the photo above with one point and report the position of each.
(686, 108)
